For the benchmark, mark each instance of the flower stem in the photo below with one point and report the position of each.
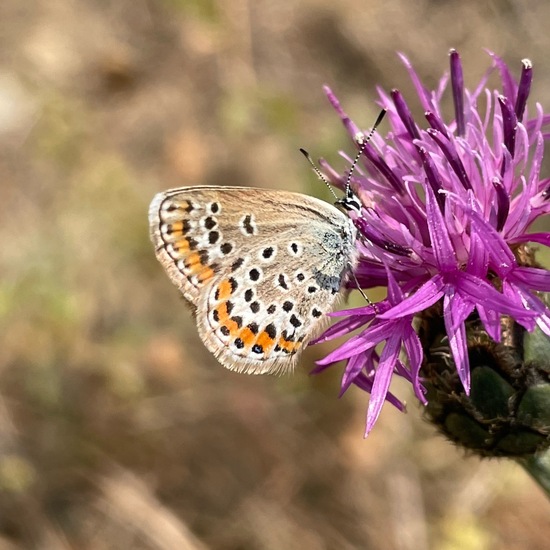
(538, 467)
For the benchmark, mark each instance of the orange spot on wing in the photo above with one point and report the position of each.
(182, 245)
(288, 345)
(205, 275)
(193, 259)
(179, 205)
(224, 290)
(224, 320)
(223, 314)
(247, 336)
(265, 341)
(176, 229)
(233, 328)
(193, 263)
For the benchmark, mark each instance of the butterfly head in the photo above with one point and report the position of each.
(350, 202)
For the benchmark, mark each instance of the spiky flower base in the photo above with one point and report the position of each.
(507, 413)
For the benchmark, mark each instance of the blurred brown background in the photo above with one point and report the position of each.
(117, 429)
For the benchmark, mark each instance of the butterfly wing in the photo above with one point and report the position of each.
(262, 268)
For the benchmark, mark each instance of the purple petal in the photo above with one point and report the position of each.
(432, 177)
(455, 311)
(508, 83)
(491, 322)
(395, 294)
(349, 125)
(353, 368)
(519, 296)
(451, 155)
(405, 114)
(382, 381)
(381, 165)
(533, 277)
(478, 291)
(439, 236)
(360, 343)
(423, 94)
(365, 384)
(503, 203)
(524, 88)
(509, 123)
(413, 349)
(457, 84)
(436, 123)
(427, 295)
(341, 328)
(541, 238)
(375, 237)
(478, 262)
(499, 251)
(539, 307)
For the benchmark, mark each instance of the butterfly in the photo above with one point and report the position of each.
(261, 268)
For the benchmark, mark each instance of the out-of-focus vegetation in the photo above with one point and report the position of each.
(117, 428)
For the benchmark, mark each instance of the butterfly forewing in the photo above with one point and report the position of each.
(261, 267)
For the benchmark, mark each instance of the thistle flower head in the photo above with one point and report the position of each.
(446, 205)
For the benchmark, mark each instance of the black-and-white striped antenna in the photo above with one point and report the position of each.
(318, 172)
(362, 146)
(350, 202)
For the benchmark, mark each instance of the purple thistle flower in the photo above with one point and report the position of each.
(445, 207)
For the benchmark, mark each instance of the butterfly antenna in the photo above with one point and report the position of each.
(349, 201)
(318, 172)
(362, 140)
(358, 287)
